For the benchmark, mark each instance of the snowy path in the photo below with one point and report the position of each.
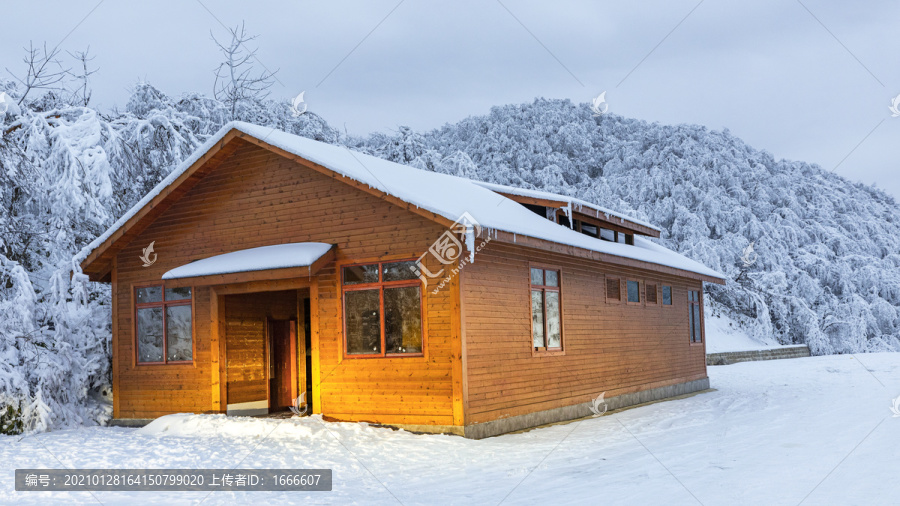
(818, 430)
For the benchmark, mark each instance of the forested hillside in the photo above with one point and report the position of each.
(825, 262)
(826, 269)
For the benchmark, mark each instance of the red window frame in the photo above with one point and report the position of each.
(163, 304)
(544, 289)
(695, 318)
(380, 285)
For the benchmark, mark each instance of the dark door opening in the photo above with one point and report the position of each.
(307, 339)
(282, 364)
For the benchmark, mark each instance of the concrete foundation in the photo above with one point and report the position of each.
(527, 421)
(514, 423)
(129, 422)
(733, 357)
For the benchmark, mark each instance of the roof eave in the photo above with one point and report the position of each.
(575, 251)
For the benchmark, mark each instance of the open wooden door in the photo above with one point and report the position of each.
(282, 364)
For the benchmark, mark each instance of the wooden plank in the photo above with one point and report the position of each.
(532, 242)
(252, 200)
(612, 347)
(116, 336)
(215, 345)
(212, 158)
(314, 345)
(457, 352)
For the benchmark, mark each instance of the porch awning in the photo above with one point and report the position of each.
(266, 262)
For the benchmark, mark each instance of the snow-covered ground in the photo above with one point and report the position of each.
(814, 431)
(725, 334)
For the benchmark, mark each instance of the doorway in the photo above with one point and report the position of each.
(307, 352)
(267, 363)
(282, 364)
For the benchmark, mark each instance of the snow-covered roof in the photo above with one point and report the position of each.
(574, 203)
(444, 195)
(281, 256)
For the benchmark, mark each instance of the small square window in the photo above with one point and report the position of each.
(148, 294)
(551, 278)
(181, 293)
(360, 274)
(399, 271)
(537, 276)
(634, 291)
(667, 295)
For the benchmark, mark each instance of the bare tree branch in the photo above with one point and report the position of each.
(43, 70)
(83, 93)
(236, 80)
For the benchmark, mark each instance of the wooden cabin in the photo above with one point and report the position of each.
(270, 271)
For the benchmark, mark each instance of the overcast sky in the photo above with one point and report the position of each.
(808, 81)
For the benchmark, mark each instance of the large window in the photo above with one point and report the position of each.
(382, 309)
(163, 325)
(694, 316)
(546, 331)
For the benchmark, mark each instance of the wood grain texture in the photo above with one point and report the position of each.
(610, 347)
(255, 198)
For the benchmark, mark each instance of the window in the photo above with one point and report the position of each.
(163, 327)
(619, 237)
(694, 316)
(651, 293)
(613, 290)
(382, 309)
(667, 295)
(590, 230)
(546, 331)
(634, 291)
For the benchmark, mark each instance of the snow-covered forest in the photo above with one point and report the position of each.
(824, 270)
(824, 265)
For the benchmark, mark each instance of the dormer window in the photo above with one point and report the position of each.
(614, 236)
(591, 226)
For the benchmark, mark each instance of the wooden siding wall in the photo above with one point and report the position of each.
(409, 390)
(245, 340)
(615, 348)
(256, 198)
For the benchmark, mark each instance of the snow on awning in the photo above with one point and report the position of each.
(281, 256)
